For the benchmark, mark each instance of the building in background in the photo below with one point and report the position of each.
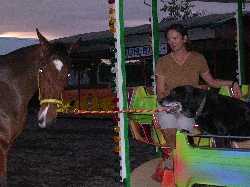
(9, 44)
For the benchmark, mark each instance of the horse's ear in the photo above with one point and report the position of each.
(74, 45)
(43, 41)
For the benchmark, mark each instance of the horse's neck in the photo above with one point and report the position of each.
(22, 72)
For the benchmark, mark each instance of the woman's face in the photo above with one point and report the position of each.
(176, 40)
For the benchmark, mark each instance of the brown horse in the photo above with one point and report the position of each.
(22, 72)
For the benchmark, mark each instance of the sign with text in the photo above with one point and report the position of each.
(134, 52)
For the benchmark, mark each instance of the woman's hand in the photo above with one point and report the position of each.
(236, 90)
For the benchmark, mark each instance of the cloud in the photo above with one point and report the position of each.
(22, 34)
(62, 18)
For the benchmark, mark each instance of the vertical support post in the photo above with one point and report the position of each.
(79, 83)
(155, 37)
(215, 59)
(240, 41)
(122, 94)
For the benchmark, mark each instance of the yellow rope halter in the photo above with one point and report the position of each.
(56, 101)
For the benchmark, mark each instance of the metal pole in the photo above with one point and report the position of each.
(155, 38)
(122, 94)
(241, 68)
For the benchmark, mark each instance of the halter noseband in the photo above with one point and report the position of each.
(42, 101)
(56, 101)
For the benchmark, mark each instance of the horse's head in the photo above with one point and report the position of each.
(53, 73)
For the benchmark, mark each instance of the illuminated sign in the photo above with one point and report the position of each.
(133, 52)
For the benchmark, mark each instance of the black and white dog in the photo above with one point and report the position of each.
(214, 113)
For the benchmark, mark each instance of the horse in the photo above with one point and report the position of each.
(44, 67)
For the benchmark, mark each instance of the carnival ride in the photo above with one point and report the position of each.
(196, 158)
(208, 165)
(146, 132)
(193, 161)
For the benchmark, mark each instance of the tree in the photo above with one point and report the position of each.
(179, 9)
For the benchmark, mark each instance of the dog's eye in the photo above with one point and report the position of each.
(173, 93)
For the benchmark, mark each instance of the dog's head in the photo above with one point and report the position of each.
(188, 98)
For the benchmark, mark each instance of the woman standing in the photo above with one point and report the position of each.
(182, 67)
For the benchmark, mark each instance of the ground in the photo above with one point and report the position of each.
(76, 152)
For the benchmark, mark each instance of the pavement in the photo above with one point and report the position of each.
(141, 176)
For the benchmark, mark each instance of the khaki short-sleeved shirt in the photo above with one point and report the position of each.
(185, 74)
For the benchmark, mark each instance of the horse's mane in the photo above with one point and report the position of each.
(57, 47)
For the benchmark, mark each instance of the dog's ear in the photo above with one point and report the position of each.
(197, 97)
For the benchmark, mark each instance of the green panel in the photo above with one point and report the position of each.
(143, 100)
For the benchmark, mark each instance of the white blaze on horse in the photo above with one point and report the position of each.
(22, 72)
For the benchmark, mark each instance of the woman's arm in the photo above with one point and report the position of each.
(217, 83)
(160, 86)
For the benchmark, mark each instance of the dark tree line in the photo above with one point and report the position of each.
(179, 9)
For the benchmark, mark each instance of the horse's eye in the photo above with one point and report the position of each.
(41, 70)
(68, 74)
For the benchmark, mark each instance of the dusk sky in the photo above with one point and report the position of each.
(62, 18)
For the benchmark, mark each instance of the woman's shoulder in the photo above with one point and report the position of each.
(197, 55)
(194, 53)
(163, 62)
(165, 57)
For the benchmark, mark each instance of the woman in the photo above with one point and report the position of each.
(182, 67)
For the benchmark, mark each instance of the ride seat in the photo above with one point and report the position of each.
(145, 126)
(141, 122)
